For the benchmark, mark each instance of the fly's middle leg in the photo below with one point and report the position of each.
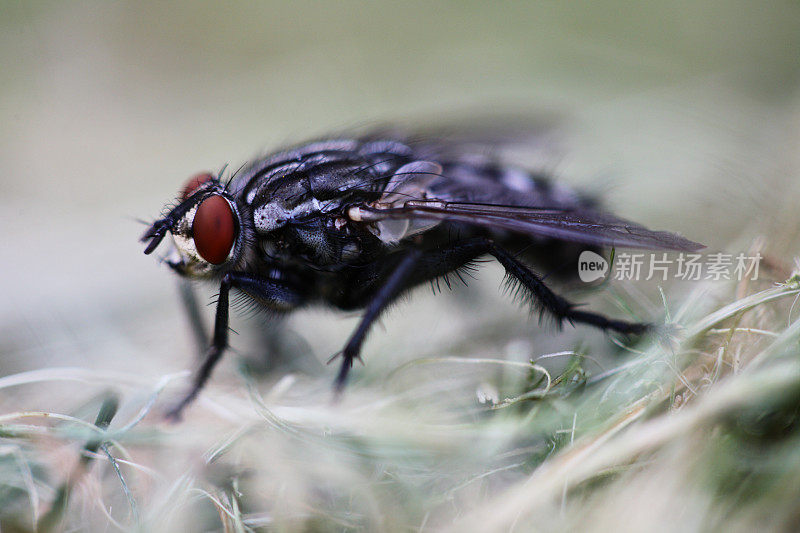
(414, 268)
(386, 293)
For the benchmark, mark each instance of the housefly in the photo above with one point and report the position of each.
(355, 223)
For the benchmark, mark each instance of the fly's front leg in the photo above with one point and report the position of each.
(267, 291)
(219, 341)
(390, 289)
(192, 308)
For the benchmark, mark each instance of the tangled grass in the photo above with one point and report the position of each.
(693, 429)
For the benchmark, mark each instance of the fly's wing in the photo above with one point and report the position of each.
(468, 130)
(581, 225)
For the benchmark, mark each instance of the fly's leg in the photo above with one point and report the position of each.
(264, 290)
(192, 308)
(556, 305)
(390, 289)
(441, 261)
(419, 266)
(219, 341)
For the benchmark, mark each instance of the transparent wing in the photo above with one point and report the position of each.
(578, 225)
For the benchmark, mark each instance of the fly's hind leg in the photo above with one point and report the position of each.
(557, 306)
(440, 261)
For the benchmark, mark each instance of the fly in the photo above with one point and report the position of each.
(356, 223)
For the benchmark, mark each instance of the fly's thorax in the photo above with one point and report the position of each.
(282, 192)
(297, 196)
(276, 212)
(319, 241)
(288, 221)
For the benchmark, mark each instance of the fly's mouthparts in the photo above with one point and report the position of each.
(155, 240)
(155, 234)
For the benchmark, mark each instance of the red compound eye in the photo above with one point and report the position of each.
(213, 229)
(194, 183)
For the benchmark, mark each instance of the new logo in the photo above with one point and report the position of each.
(591, 266)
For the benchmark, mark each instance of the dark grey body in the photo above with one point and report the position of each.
(304, 234)
(354, 223)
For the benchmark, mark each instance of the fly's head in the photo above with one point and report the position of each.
(205, 228)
